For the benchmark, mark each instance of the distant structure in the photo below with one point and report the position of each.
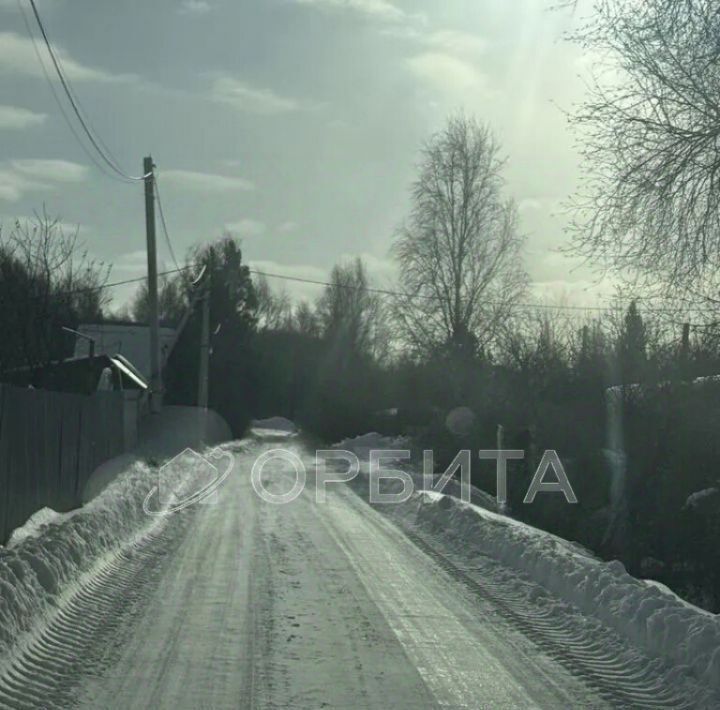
(131, 340)
(82, 375)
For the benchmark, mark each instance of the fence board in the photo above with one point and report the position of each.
(50, 443)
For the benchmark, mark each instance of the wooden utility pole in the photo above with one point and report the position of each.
(155, 366)
(204, 349)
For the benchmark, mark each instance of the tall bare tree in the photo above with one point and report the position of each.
(274, 308)
(350, 315)
(650, 129)
(47, 280)
(459, 251)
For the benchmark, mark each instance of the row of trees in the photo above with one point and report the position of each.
(47, 281)
(455, 332)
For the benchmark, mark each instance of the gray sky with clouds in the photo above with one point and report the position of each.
(295, 124)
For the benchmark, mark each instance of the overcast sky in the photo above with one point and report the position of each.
(294, 124)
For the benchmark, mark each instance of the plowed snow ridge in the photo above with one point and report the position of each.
(684, 641)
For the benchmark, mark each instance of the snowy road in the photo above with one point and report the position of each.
(245, 604)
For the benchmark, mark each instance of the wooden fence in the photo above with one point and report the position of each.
(50, 443)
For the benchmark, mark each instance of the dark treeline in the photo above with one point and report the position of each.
(341, 366)
(617, 395)
(47, 281)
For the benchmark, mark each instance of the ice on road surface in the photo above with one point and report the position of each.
(246, 604)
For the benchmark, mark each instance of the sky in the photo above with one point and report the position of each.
(294, 124)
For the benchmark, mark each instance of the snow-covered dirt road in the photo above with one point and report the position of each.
(244, 604)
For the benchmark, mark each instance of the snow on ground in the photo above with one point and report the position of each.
(35, 525)
(362, 445)
(694, 499)
(47, 557)
(652, 618)
(274, 424)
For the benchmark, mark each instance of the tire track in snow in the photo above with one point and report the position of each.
(83, 633)
(623, 677)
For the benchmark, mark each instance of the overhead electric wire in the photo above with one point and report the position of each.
(432, 297)
(110, 161)
(384, 292)
(163, 223)
(103, 287)
(74, 103)
(90, 155)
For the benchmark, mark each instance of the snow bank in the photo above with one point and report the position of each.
(650, 616)
(362, 445)
(694, 499)
(47, 557)
(34, 525)
(654, 619)
(275, 424)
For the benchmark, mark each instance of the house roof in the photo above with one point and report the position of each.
(77, 374)
(131, 340)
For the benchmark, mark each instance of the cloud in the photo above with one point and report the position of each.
(13, 186)
(583, 292)
(445, 59)
(374, 9)
(17, 56)
(19, 177)
(382, 271)
(287, 227)
(205, 182)
(54, 170)
(458, 43)
(131, 263)
(29, 223)
(246, 228)
(194, 7)
(240, 95)
(13, 117)
(447, 73)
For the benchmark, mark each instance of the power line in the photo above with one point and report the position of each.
(164, 223)
(51, 85)
(317, 282)
(103, 287)
(75, 104)
(399, 294)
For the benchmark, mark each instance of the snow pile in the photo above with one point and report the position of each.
(649, 615)
(652, 618)
(46, 558)
(695, 499)
(34, 525)
(362, 445)
(275, 425)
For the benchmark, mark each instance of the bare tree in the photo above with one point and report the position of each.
(305, 320)
(651, 135)
(172, 300)
(47, 280)
(274, 309)
(459, 251)
(350, 315)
